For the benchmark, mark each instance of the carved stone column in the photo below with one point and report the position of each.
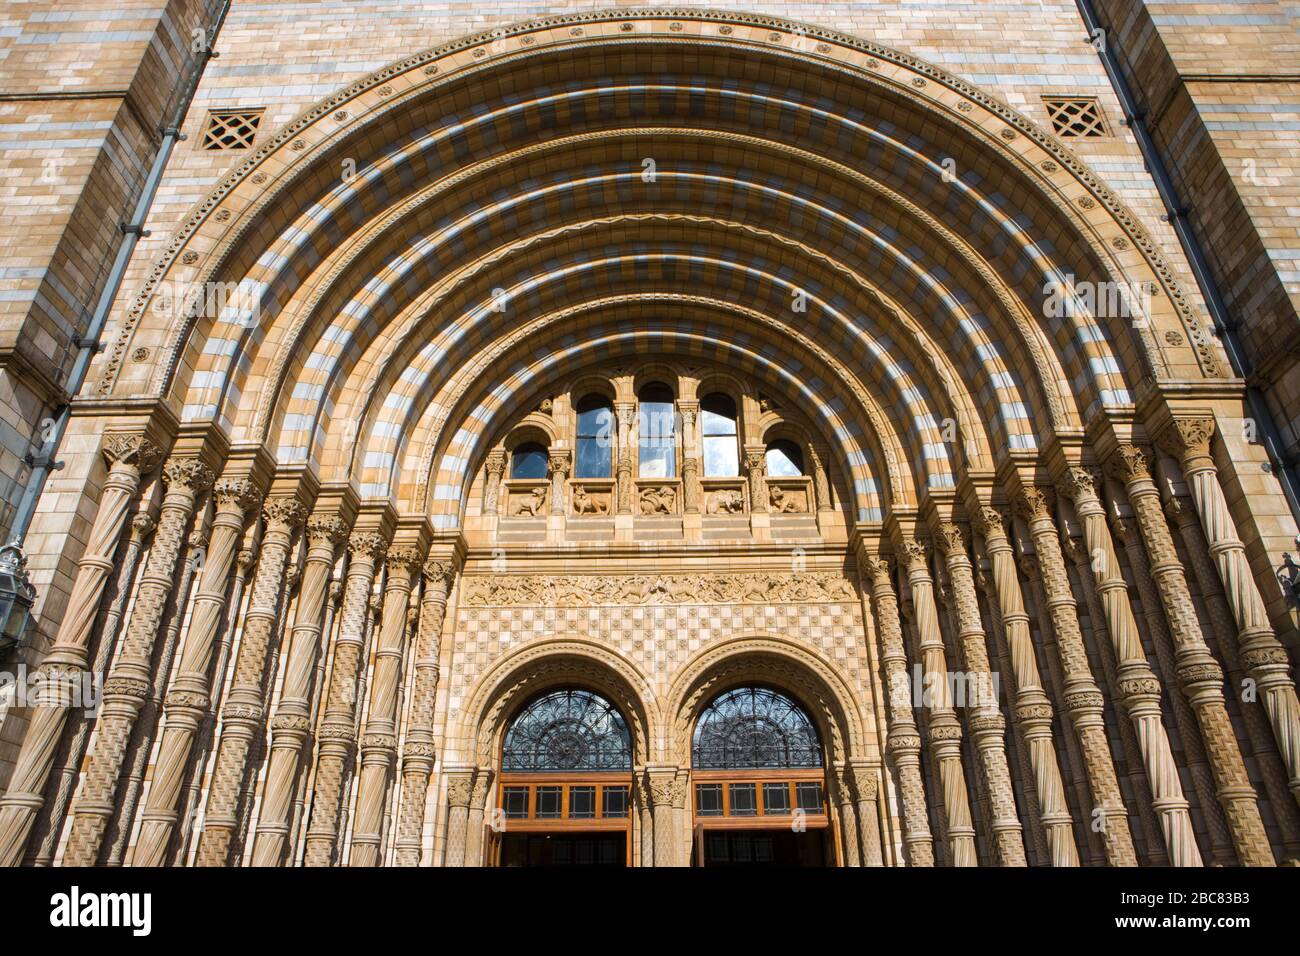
(291, 725)
(1199, 673)
(418, 749)
(986, 722)
(1082, 698)
(338, 724)
(379, 744)
(1032, 707)
(243, 717)
(821, 480)
(1262, 654)
(128, 456)
(691, 486)
(664, 786)
(641, 788)
(495, 468)
(474, 818)
(841, 793)
(188, 699)
(460, 787)
(560, 461)
(904, 740)
(626, 412)
(756, 469)
(50, 823)
(945, 730)
(862, 780)
(1267, 760)
(129, 682)
(1139, 688)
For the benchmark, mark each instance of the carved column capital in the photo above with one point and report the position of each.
(236, 495)
(916, 555)
(404, 559)
(495, 463)
(559, 460)
(1079, 483)
(460, 788)
(1188, 438)
(1034, 504)
(368, 544)
(133, 451)
(874, 567)
(990, 522)
(188, 473)
(950, 539)
(326, 531)
(284, 514)
(1130, 463)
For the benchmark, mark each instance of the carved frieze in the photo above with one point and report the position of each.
(584, 590)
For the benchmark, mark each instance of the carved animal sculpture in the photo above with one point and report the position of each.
(782, 503)
(585, 504)
(658, 501)
(726, 503)
(532, 505)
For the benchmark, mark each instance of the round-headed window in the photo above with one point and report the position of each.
(755, 728)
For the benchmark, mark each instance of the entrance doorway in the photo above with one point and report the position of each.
(762, 848)
(565, 791)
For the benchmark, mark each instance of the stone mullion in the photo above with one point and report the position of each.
(988, 728)
(903, 740)
(141, 746)
(188, 699)
(1138, 688)
(1262, 654)
(128, 456)
(243, 717)
(1032, 710)
(418, 749)
(1083, 701)
(495, 467)
(338, 725)
(1221, 843)
(129, 682)
(1149, 827)
(626, 415)
(1199, 674)
(50, 822)
(379, 743)
(945, 730)
(1267, 760)
(756, 469)
(291, 724)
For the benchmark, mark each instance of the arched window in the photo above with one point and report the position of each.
(567, 730)
(755, 728)
(656, 428)
(784, 459)
(529, 460)
(595, 438)
(718, 427)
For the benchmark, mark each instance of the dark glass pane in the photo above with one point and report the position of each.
(755, 728)
(776, 799)
(514, 801)
(596, 419)
(550, 801)
(582, 802)
(784, 459)
(615, 799)
(595, 459)
(717, 415)
(708, 799)
(721, 456)
(809, 796)
(656, 429)
(528, 461)
(744, 800)
(567, 730)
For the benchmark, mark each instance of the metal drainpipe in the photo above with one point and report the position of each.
(1224, 326)
(89, 344)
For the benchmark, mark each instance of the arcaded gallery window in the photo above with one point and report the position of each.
(784, 459)
(657, 432)
(528, 461)
(596, 431)
(718, 429)
(565, 796)
(758, 782)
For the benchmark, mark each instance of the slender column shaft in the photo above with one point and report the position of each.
(850, 838)
(1199, 674)
(1033, 709)
(663, 786)
(1083, 701)
(756, 469)
(1262, 654)
(189, 698)
(474, 818)
(945, 729)
(821, 480)
(1139, 688)
(495, 467)
(131, 678)
(904, 740)
(646, 816)
(865, 786)
(60, 793)
(1269, 763)
(418, 747)
(291, 725)
(460, 787)
(243, 717)
(379, 744)
(338, 726)
(988, 728)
